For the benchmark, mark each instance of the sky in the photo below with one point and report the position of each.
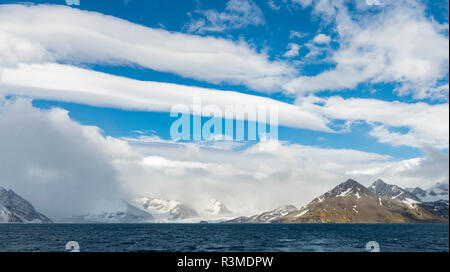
(86, 89)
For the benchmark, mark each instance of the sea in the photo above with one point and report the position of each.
(224, 237)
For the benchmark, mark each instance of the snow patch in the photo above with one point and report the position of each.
(346, 192)
(302, 213)
(410, 202)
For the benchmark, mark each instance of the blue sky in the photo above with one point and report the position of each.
(361, 86)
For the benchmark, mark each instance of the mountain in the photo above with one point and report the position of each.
(121, 212)
(164, 209)
(393, 192)
(440, 191)
(351, 202)
(15, 209)
(267, 217)
(419, 192)
(439, 208)
(437, 196)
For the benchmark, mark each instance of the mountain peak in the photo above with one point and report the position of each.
(393, 191)
(350, 181)
(378, 182)
(350, 184)
(164, 209)
(349, 187)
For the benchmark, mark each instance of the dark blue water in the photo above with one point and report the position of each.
(225, 237)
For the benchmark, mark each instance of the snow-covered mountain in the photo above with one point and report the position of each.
(166, 210)
(267, 217)
(351, 202)
(393, 192)
(440, 191)
(118, 212)
(15, 209)
(434, 200)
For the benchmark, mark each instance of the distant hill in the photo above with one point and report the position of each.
(266, 217)
(120, 212)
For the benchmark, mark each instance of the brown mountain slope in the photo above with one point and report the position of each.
(351, 202)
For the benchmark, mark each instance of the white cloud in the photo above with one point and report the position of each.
(62, 34)
(373, 2)
(68, 83)
(321, 39)
(63, 168)
(439, 92)
(317, 53)
(427, 124)
(325, 8)
(296, 34)
(237, 14)
(406, 139)
(293, 49)
(399, 44)
(73, 2)
(273, 5)
(423, 172)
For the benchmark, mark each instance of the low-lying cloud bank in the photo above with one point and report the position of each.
(61, 166)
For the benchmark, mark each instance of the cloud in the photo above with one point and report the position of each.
(273, 5)
(237, 14)
(373, 2)
(60, 166)
(398, 44)
(296, 34)
(67, 83)
(293, 49)
(427, 124)
(423, 172)
(50, 33)
(411, 138)
(73, 2)
(321, 39)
